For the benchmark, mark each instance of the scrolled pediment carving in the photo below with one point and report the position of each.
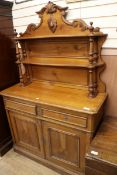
(51, 8)
(53, 19)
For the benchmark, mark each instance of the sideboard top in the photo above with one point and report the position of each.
(53, 23)
(61, 97)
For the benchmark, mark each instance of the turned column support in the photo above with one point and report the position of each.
(92, 82)
(19, 60)
(24, 75)
(93, 56)
(91, 49)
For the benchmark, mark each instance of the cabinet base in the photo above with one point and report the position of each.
(5, 146)
(45, 162)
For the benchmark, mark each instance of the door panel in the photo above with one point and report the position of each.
(64, 146)
(27, 132)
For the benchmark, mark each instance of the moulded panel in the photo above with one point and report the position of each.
(64, 146)
(27, 133)
(63, 47)
(58, 74)
(71, 119)
(20, 106)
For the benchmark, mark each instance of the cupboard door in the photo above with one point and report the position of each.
(64, 146)
(27, 133)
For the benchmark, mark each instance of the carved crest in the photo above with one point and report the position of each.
(51, 8)
(53, 18)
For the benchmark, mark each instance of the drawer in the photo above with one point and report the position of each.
(71, 119)
(20, 106)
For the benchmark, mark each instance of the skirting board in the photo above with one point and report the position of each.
(6, 146)
(109, 51)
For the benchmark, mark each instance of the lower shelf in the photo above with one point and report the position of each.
(63, 62)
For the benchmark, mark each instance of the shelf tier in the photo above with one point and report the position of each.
(63, 62)
(95, 34)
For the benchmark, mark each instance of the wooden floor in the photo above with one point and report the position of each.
(16, 164)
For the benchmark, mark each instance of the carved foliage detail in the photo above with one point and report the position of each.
(52, 23)
(50, 9)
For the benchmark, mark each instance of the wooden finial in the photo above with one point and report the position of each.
(15, 33)
(91, 28)
(91, 23)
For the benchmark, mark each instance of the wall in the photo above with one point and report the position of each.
(103, 13)
(110, 78)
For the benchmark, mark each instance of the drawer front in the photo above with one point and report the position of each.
(20, 107)
(71, 119)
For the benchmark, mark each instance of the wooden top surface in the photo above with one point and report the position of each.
(56, 95)
(105, 141)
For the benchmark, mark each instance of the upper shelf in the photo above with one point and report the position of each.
(69, 46)
(63, 62)
(59, 36)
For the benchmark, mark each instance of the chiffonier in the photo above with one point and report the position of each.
(55, 109)
(8, 69)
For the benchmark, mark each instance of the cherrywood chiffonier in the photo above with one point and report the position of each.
(8, 69)
(54, 112)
